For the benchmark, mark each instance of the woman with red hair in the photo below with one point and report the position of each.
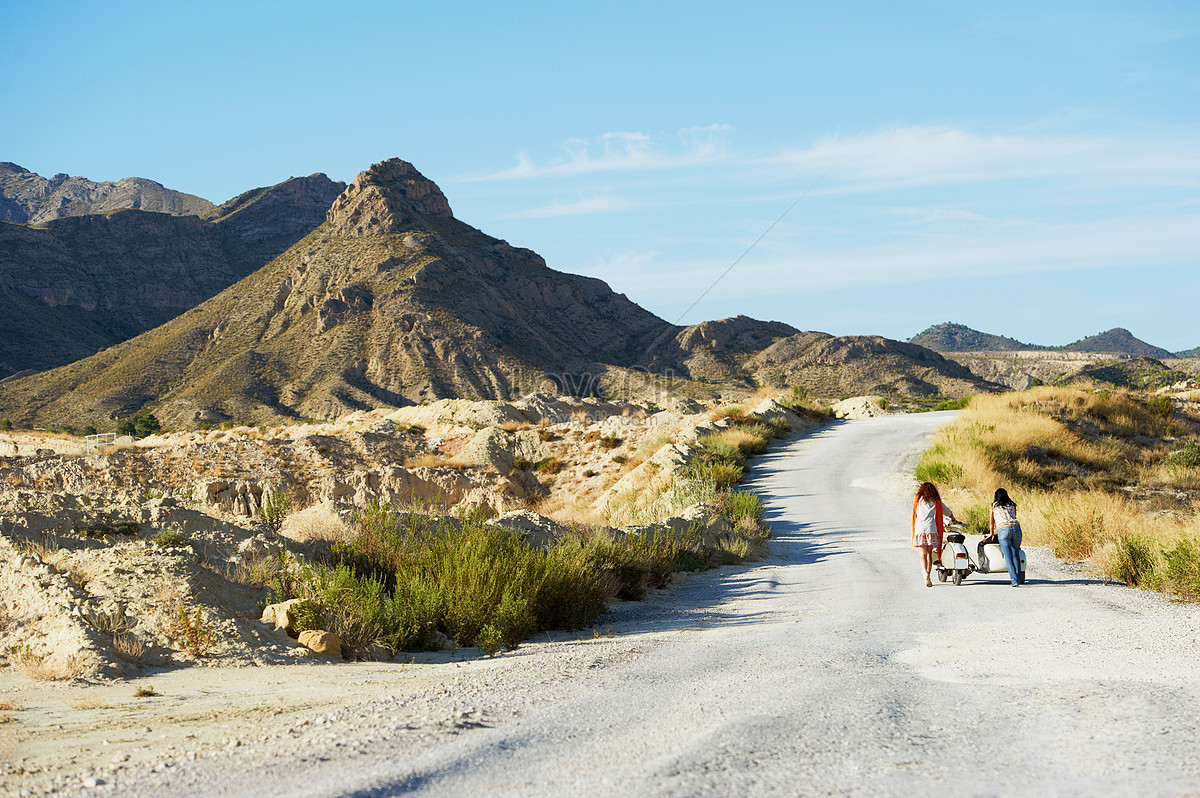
(929, 516)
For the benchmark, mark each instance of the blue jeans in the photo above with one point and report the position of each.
(1010, 547)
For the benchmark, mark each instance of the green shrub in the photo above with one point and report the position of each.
(939, 472)
(1134, 562)
(740, 505)
(1181, 569)
(276, 505)
(610, 441)
(145, 424)
(550, 465)
(168, 538)
(125, 427)
(953, 404)
(1160, 406)
(714, 448)
(522, 463)
(1188, 457)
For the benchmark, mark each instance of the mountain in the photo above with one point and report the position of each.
(81, 283)
(29, 198)
(863, 364)
(715, 351)
(951, 337)
(1118, 341)
(390, 301)
(1194, 352)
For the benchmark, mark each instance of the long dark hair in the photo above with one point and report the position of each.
(1001, 498)
(929, 493)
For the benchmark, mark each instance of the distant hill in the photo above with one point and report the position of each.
(951, 337)
(1194, 352)
(84, 282)
(1118, 341)
(1140, 373)
(863, 364)
(29, 198)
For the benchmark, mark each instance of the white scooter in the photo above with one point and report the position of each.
(956, 563)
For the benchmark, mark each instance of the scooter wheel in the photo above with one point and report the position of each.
(957, 577)
(1021, 578)
(941, 576)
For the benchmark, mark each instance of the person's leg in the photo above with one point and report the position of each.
(927, 562)
(1012, 559)
(1016, 543)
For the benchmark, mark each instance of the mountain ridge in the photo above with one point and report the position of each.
(28, 198)
(79, 283)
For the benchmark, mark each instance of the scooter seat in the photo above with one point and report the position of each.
(955, 537)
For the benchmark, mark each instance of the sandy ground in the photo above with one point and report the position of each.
(827, 669)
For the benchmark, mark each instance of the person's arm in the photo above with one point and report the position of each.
(949, 513)
(991, 521)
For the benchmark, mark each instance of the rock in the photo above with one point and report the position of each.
(539, 530)
(258, 546)
(322, 643)
(279, 616)
(770, 410)
(490, 448)
(859, 407)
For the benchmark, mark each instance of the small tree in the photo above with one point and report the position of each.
(88, 430)
(146, 424)
(5, 425)
(125, 427)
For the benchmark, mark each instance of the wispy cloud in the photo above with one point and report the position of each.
(603, 204)
(623, 151)
(928, 155)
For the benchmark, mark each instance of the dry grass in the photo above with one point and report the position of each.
(45, 668)
(1070, 458)
(515, 426)
(89, 702)
(318, 522)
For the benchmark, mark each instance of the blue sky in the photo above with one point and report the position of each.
(1027, 169)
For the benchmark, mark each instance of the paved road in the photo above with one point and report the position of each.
(829, 669)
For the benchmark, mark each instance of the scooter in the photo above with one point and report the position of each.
(956, 564)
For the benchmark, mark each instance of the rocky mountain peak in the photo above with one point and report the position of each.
(386, 198)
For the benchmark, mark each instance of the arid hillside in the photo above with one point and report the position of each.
(78, 284)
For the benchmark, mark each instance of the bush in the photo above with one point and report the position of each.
(740, 506)
(399, 585)
(953, 404)
(550, 465)
(1181, 569)
(146, 424)
(1134, 562)
(1188, 457)
(275, 508)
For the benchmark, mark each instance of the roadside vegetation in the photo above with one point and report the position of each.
(1107, 478)
(416, 581)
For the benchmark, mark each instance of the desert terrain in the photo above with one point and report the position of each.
(826, 667)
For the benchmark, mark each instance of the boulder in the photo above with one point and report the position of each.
(322, 643)
(859, 407)
(279, 616)
(770, 410)
(490, 448)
